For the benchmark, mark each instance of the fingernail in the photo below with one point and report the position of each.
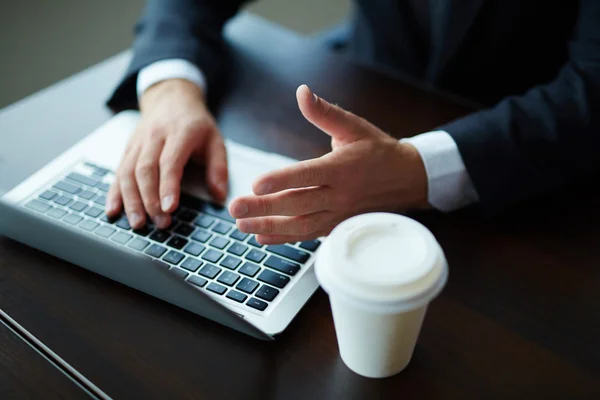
(313, 96)
(167, 203)
(263, 188)
(160, 220)
(239, 210)
(135, 219)
(110, 206)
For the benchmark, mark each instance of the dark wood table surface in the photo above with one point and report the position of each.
(519, 318)
(25, 373)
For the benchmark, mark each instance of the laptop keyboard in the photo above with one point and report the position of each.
(202, 245)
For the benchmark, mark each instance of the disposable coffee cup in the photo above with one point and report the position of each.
(380, 271)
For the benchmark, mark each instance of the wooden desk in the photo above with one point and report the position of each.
(518, 319)
(24, 373)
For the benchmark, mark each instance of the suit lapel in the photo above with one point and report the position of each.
(451, 19)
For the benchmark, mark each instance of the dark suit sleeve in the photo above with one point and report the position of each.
(530, 144)
(186, 29)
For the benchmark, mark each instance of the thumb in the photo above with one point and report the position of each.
(343, 126)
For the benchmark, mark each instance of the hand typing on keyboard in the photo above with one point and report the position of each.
(175, 127)
(367, 170)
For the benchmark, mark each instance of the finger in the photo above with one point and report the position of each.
(314, 172)
(146, 174)
(216, 166)
(340, 124)
(132, 202)
(288, 203)
(174, 157)
(113, 199)
(299, 225)
(280, 239)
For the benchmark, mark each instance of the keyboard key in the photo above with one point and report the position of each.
(121, 238)
(100, 172)
(138, 244)
(74, 176)
(239, 235)
(104, 231)
(72, 219)
(310, 245)
(267, 293)
(228, 278)
(201, 236)
(212, 256)
(155, 251)
(179, 272)
(86, 195)
(254, 243)
(123, 223)
(94, 212)
(191, 264)
(177, 242)
(218, 211)
(63, 200)
(273, 278)
(247, 285)
(101, 200)
(221, 228)
(289, 252)
(209, 271)
(186, 215)
(67, 187)
(38, 206)
(194, 249)
(281, 265)
(143, 231)
(256, 256)
(78, 206)
(219, 243)
(257, 304)
(237, 296)
(196, 280)
(161, 264)
(104, 187)
(108, 220)
(173, 257)
(216, 288)
(237, 248)
(56, 213)
(204, 221)
(184, 230)
(160, 236)
(88, 225)
(249, 269)
(231, 262)
(48, 195)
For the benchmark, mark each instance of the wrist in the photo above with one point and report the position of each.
(178, 90)
(415, 176)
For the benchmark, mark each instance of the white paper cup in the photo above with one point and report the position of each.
(381, 271)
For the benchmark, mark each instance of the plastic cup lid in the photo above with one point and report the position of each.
(382, 260)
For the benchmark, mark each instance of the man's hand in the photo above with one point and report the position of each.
(175, 126)
(367, 171)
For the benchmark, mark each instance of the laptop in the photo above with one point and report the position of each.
(201, 263)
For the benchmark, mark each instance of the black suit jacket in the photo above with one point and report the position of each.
(535, 63)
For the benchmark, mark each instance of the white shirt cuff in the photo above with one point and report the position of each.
(174, 68)
(449, 184)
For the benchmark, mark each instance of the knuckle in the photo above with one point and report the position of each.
(265, 206)
(155, 132)
(309, 174)
(268, 225)
(305, 225)
(144, 170)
